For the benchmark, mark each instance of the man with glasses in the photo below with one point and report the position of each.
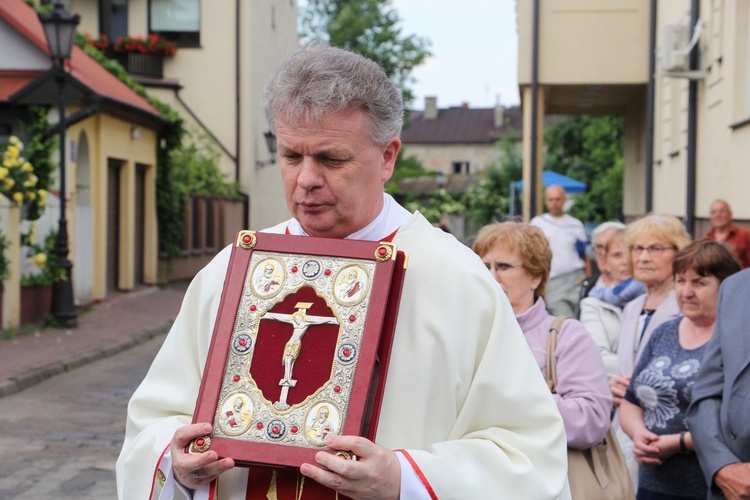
(724, 231)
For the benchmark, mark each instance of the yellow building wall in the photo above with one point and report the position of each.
(111, 137)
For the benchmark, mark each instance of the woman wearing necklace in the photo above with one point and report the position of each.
(653, 410)
(651, 244)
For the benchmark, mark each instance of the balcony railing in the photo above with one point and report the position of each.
(148, 65)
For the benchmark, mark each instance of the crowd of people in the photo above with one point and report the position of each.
(648, 313)
(653, 345)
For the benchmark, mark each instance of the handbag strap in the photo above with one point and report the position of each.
(551, 371)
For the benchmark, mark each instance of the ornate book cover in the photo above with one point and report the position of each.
(300, 348)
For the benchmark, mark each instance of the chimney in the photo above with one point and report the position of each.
(499, 115)
(430, 108)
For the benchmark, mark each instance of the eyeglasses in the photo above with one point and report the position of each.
(501, 267)
(653, 250)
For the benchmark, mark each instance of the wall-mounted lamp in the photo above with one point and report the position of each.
(135, 133)
(271, 144)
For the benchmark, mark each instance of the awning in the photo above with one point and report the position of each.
(550, 178)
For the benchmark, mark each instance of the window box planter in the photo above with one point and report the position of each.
(149, 65)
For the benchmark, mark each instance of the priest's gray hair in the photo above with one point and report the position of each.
(318, 79)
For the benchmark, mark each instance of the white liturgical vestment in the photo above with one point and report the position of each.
(464, 399)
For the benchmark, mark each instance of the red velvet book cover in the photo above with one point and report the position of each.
(300, 348)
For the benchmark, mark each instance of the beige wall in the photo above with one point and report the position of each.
(634, 155)
(439, 158)
(272, 35)
(268, 31)
(566, 59)
(577, 53)
(722, 169)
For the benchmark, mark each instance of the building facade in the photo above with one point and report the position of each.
(678, 70)
(225, 51)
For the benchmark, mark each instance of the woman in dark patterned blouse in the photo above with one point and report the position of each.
(653, 410)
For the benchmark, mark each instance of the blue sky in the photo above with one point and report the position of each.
(474, 47)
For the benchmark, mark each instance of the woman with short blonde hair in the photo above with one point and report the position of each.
(651, 244)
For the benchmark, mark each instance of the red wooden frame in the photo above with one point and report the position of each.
(375, 347)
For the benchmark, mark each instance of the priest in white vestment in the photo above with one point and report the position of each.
(465, 412)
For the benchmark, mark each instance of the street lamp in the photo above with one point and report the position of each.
(271, 144)
(59, 29)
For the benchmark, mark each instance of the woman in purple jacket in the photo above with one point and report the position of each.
(519, 257)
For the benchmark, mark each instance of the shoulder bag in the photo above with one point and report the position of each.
(598, 473)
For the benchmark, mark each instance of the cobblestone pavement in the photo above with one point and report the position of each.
(60, 439)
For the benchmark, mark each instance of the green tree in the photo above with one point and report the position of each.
(490, 200)
(590, 149)
(370, 28)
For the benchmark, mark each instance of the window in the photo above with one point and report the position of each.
(176, 20)
(460, 167)
(113, 18)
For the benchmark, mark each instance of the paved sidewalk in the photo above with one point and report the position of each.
(111, 326)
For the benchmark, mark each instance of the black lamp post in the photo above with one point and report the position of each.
(60, 29)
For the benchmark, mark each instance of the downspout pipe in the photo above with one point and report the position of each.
(692, 126)
(534, 108)
(238, 114)
(650, 99)
(237, 82)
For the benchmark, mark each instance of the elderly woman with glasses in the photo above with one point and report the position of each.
(653, 410)
(603, 319)
(651, 244)
(519, 257)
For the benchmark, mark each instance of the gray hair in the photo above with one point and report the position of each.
(606, 226)
(318, 79)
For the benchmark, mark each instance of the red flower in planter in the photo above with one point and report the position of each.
(101, 43)
(152, 45)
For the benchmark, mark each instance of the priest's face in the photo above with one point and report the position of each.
(333, 173)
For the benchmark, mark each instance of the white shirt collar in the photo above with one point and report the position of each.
(391, 217)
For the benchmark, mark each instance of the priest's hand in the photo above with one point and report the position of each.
(375, 474)
(195, 470)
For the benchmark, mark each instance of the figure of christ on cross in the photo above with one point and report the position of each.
(300, 321)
